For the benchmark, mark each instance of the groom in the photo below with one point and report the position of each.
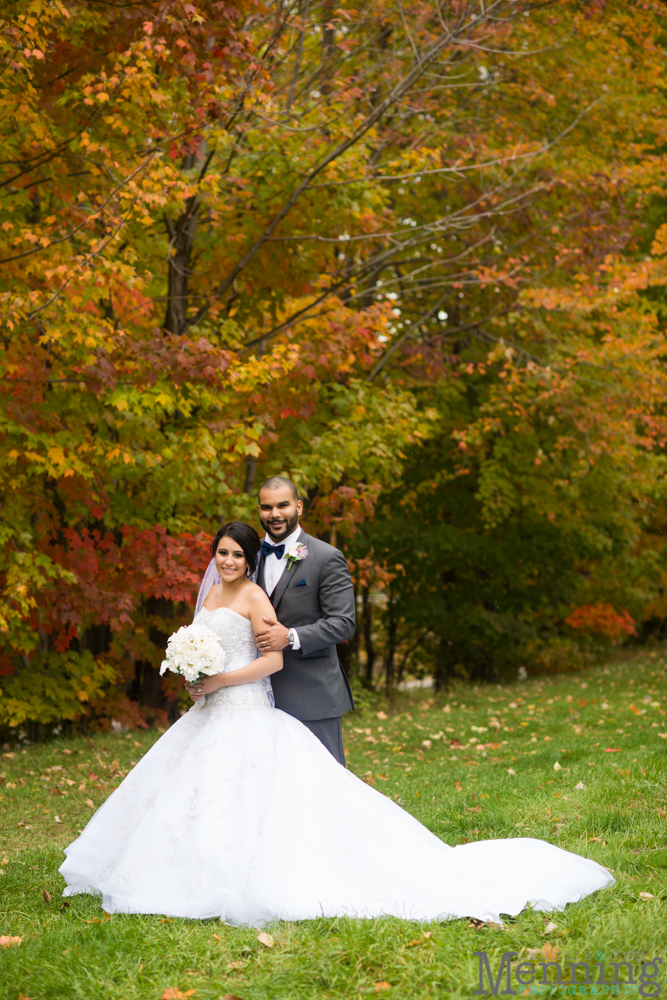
(313, 600)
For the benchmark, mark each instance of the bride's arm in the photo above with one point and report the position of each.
(262, 667)
(268, 663)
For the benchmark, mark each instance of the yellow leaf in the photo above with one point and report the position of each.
(6, 941)
(420, 940)
(265, 939)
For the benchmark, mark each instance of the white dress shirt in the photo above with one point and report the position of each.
(274, 569)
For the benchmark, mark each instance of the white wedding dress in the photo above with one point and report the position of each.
(239, 812)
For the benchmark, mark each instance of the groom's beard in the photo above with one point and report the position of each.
(290, 525)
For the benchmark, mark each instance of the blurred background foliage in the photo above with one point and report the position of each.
(412, 255)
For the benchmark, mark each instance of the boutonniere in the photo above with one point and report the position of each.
(296, 553)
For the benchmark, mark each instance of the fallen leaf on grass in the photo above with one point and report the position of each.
(47, 896)
(381, 715)
(240, 964)
(420, 940)
(231, 996)
(216, 937)
(551, 927)
(597, 840)
(557, 767)
(580, 787)
(382, 986)
(7, 942)
(646, 895)
(173, 993)
(57, 819)
(510, 770)
(612, 750)
(459, 786)
(89, 802)
(266, 940)
(550, 952)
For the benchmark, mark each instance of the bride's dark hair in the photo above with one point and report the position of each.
(245, 536)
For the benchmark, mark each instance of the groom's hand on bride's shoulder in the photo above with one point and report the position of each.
(272, 637)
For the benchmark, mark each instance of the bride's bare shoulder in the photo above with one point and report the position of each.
(256, 598)
(255, 593)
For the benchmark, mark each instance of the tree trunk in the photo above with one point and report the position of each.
(367, 618)
(250, 470)
(444, 662)
(390, 654)
(181, 240)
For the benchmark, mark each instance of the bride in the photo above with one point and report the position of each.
(239, 812)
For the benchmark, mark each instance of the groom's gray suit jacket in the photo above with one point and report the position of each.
(314, 596)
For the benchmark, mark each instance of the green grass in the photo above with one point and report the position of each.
(460, 792)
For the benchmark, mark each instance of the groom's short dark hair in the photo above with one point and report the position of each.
(275, 482)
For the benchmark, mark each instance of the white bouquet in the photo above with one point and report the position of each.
(194, 650)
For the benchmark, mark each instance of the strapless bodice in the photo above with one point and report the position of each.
(236, 634)
(237, 638)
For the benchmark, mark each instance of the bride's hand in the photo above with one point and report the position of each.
(204, 686)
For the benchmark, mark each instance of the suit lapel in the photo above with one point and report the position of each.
(284, 580)
(260, 572)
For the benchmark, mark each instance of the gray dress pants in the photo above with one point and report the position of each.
(330, 733)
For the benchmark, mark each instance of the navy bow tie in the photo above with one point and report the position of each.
(277, 550)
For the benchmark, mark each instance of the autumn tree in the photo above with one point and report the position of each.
(241, 240)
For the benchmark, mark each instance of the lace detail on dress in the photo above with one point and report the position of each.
(236, 635)
(237, 638)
